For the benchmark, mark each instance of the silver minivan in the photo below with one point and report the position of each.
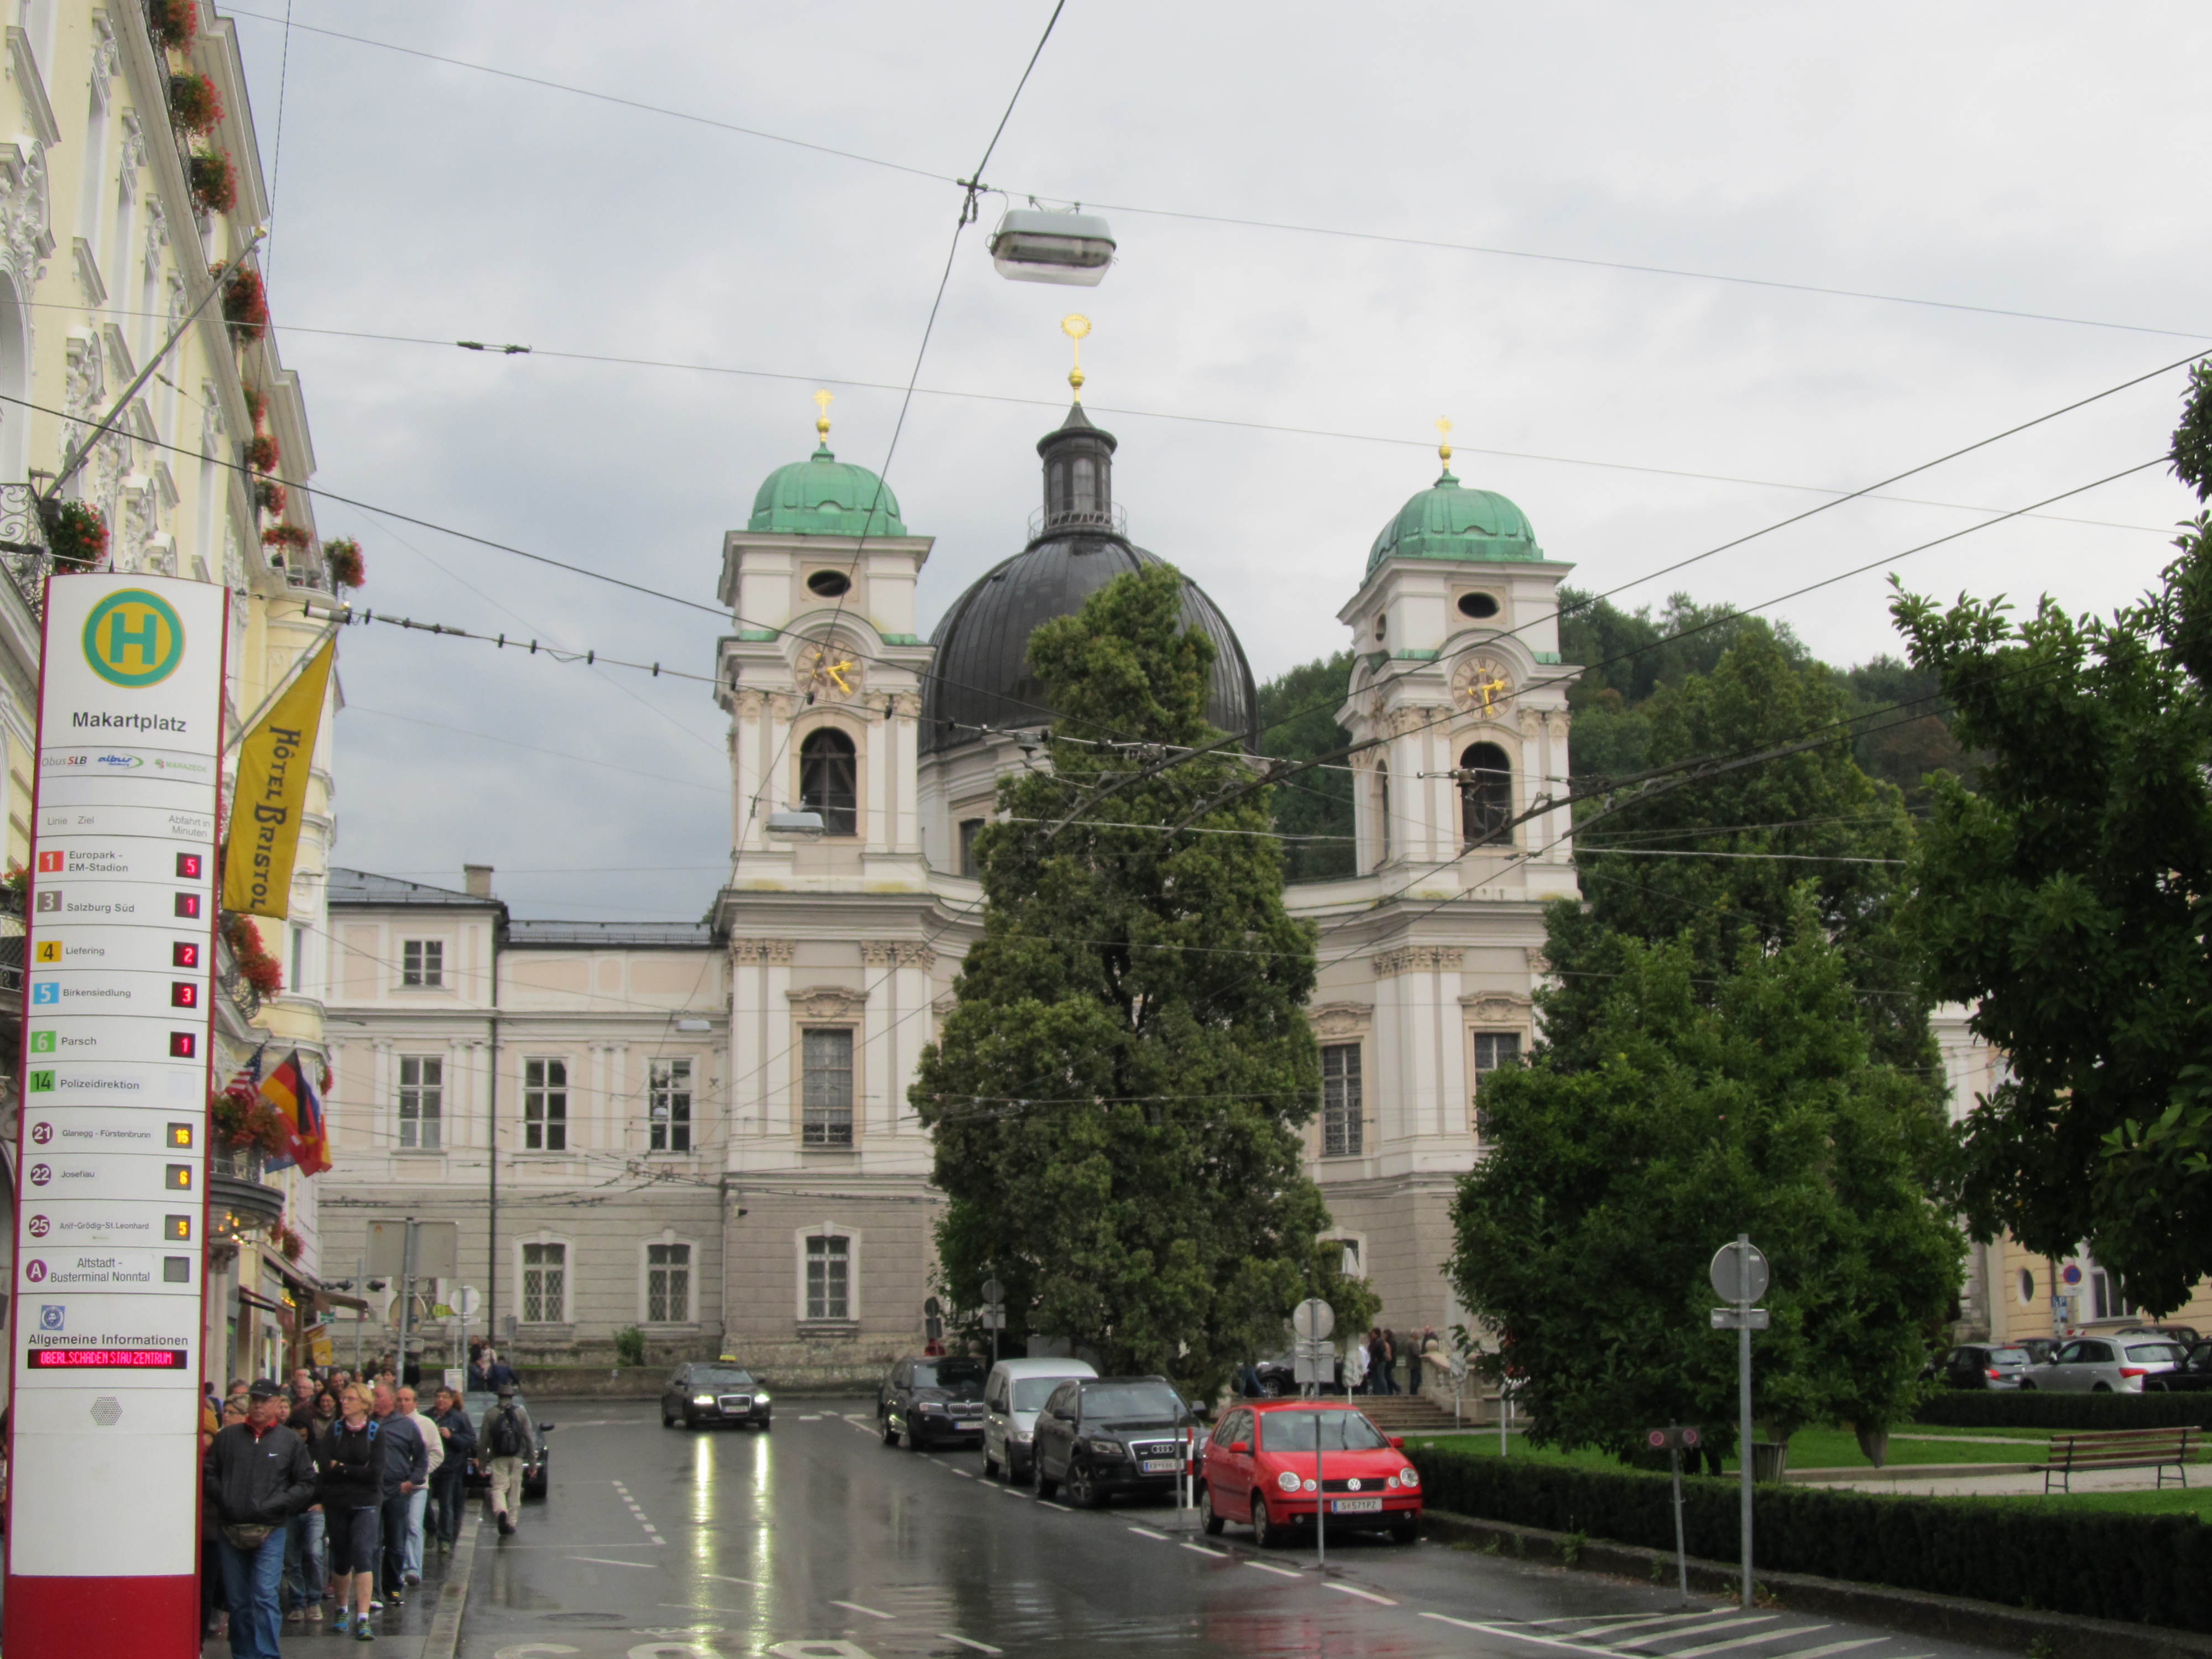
(1012, 1395)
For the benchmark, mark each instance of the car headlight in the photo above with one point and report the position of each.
(1409, 1476)
(1311, 1486)
(761, 1399)
(1105, 1447)
(1019, 1437)
(1287, 1481)
(702, 1399)
(930, 1406)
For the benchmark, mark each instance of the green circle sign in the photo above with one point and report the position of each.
(133, 638)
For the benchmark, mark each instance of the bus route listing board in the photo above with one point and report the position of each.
(111, 1208)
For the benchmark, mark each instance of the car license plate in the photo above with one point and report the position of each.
(1355, 1505)
(1159, 1466)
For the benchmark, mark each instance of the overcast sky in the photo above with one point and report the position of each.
(2026, 158)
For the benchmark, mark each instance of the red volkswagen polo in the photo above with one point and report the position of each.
(1260, 1466)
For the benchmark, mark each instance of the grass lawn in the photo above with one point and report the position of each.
(1809, 1449)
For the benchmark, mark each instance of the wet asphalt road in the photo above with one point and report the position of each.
(816, 1541)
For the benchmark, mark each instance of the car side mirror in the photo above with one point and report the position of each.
(547, 1428)
(1240, 1447)
(1397, 1442)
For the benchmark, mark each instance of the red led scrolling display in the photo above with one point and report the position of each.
(141, 1359)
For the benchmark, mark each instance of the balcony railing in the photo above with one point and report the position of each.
(1112, 520)
(23, 555)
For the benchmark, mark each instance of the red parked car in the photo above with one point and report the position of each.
(1260, 1468)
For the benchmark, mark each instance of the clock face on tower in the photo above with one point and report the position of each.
(828, 672)
(1483, 685)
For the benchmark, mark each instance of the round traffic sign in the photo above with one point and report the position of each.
(468, 1301)
(1314, 1320)
(1657, 1439)
(1726, 1273)
(994, 1292)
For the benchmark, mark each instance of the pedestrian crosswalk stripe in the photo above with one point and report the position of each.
(1349, 1589)
(1613, 1626)
(1743, 1641)
(1833, 1647)
(1285, 1573)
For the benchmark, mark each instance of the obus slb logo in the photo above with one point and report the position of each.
(133, 638)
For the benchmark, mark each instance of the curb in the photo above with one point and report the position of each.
(1949, 1617)
(1898, 1472)
(452, 1598)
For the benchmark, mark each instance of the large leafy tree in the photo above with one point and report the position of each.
(1117, 1095)
(2069, 898)
(1682, 1110)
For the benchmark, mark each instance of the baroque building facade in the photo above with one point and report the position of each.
(737, 1167)
(106, 248)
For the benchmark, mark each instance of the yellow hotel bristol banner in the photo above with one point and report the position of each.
(272, 792)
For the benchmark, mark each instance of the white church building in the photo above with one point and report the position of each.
(702, 1130)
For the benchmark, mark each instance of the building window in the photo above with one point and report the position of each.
(545, 1105)
(826, 1099)
(298, 980)
(970, 829)
(1486, 796)
(1383, 809)
(828, 781)
(668, 1284)
(828, 1277)
(2106, 1299)
(1340, 1100)
(1492, 1050)
(422, 963)
(544, 1283)
(422, 1103)
(671, 1106)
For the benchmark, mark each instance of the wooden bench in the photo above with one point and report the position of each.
(2120, 1449)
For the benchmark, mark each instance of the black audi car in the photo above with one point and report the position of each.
(2192, 1375)
(712, 1394)
(927, 1401)
(1103, 1438)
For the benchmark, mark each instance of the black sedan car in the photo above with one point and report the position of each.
(2192, 1375)
(713, 1395)
(1982, 1365)
(1107, 1436)
(927, 1401)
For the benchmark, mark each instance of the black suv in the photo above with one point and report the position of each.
(925, 1402)
(1104, 1435)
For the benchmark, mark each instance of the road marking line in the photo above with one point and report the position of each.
(979, 1647)
(1613, 1626)
(728, 1579)
(857, 1607)
(1744, 1641)
(1049, 1504)
(1836, 1647)
(602, 1561)
(1369, 1596)
(963, 1473)
(1217, 1554)
(1262, 1566)
(693, 1606)
(1147, 1532)
(1521, 1635)
(1722, 1624)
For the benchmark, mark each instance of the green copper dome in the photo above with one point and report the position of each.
(1449, 522)
(822, 495)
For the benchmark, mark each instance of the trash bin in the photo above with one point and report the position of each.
(1770, 1459)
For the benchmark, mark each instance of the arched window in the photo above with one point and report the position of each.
(1486, 795)
(827, 780)
(1383, 809)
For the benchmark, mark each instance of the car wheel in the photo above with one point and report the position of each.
(1212, 1522)
(991, 1469)
(764, 1424)
(1406, 1531)
(910, 1436)
(1045, 1486)
(666, 1421)
(890, 1434)
(1082, 1487)
(1265, 1533)
(2101, 1388)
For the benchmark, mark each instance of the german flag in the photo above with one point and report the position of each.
(307, 1143)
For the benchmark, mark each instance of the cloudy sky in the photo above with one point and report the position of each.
(1274, 390)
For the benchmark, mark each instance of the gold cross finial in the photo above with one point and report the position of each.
(823, 399)
(1075, 325)
(1443, 430)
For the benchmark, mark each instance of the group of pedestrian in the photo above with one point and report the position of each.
(1372, 1365)
(330, 1491)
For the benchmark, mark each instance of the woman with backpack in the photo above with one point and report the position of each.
(349, 1486)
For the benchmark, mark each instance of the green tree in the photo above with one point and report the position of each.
(1684, 1112)
(1297, 721)
(1117, 1097)
(2070, 897)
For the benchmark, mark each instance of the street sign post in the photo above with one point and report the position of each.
(1739, 1272)
(1677, 1438)
(104, 1498)
(994, 1313)
(1312, 1324)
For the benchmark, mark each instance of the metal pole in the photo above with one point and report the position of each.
(359, 1315)
(1681, 1549)
(406, 1303)
(1321, 1498)
(1743, 1393)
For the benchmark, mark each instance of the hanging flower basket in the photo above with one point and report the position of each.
(284, 535)
(194, 104)
(255, 964)
(76, 534)
(246, 308)
(257, 405)
(16, 894)
(214, 181)
(243, 1119)
(261, 452)
(341, 558)
(269, 495)
(175, 23)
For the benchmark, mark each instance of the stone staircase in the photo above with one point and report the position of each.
(1414, 1413)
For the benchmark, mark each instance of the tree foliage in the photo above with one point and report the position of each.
(1297, 721)
(1678, 1112)
(2070, 897)
(1117, 1097)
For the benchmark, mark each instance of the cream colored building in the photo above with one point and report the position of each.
(104, 250)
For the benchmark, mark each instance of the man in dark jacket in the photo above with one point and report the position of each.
(258, 1476)
(404, 1462)
(449, 1484)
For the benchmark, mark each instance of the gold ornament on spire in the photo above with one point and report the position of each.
(1075, 325)
(1443, 449)
(823, 399)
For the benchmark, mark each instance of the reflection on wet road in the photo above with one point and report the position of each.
(816, 1541)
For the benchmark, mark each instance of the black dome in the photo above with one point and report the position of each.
(981, 676)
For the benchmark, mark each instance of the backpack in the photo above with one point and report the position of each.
(503, 1434)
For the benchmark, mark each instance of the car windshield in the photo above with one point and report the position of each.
(1337, 1431)
(1134, 1401)
(2154, 1353)
(2007, 1356)
(949, 1374)
(721, 1377)
(1031, 1392)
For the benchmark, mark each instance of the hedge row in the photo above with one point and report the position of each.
(2151, 1569)
(1965, 1409)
